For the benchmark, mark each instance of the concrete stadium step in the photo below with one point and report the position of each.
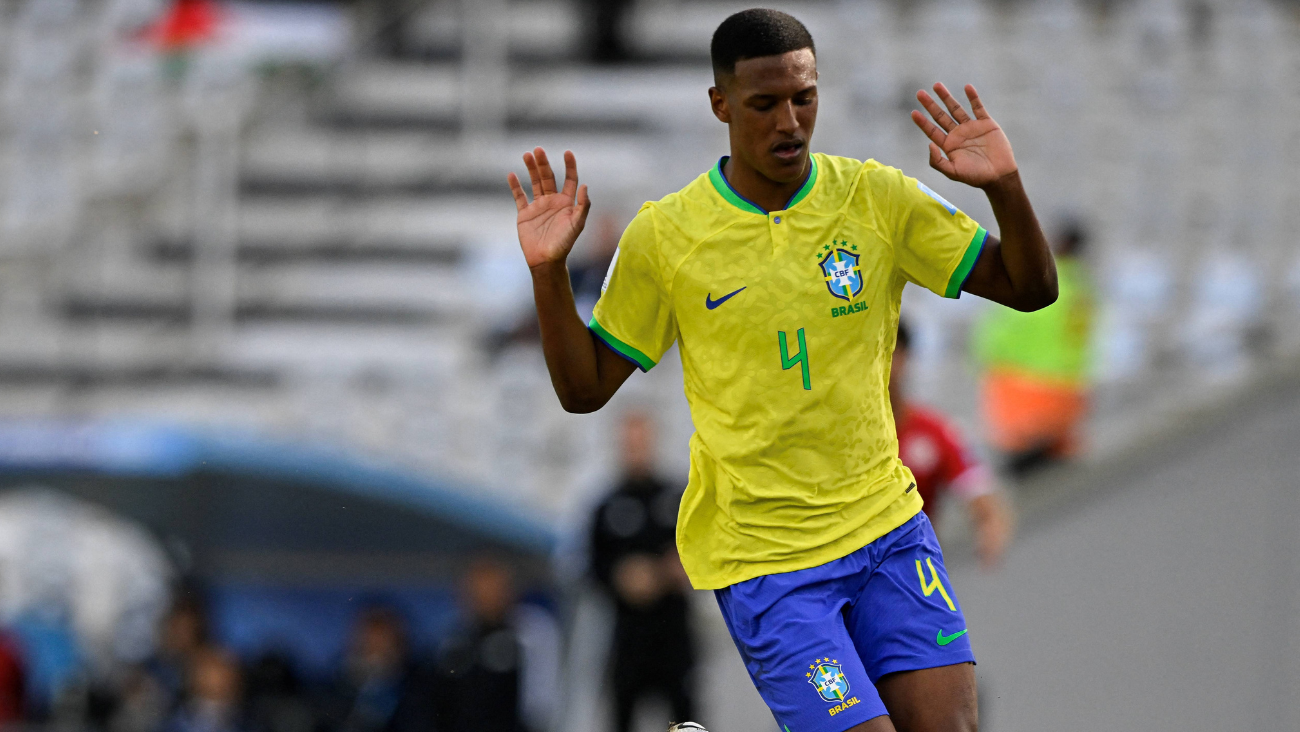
(116, 352)
(550, 29)
(428, 93)
(428, 96)
(345, 348)
(289, 162)
(665, 97)
(545, 29)
(252, 353)
(391, 224)
(436, 290)
(146, 377)
(295, 291)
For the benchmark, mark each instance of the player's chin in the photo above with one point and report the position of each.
(787, 165)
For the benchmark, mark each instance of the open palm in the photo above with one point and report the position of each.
(550, 224)
(969, 150)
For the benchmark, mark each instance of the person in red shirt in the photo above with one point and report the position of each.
(13, 689)
(942, 463)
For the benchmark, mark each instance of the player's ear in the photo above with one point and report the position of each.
(718, 101)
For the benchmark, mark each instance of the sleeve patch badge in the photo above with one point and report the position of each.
(609, 272)
(952, 210)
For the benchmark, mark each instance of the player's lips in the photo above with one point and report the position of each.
(788, 150)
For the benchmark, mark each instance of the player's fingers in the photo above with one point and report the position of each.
(954, 107)
(935, 111)
(584, 206)
(534, 175)
(930, 129)
(939, 162)
(517, 190)
(570, 174)
(548, 175)
(976, 105)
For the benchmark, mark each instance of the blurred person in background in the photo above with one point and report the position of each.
(186, 27)
(276, 702)
(942, 462)
(151, 693)
(213, 699)
(1034, 391)
(183, 634)
(587, 277)
(499, 672)
(608, 20)
(381, 688)
(13, 682)
(634, 559)
(141, 704)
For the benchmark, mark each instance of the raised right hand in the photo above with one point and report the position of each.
(550, 224)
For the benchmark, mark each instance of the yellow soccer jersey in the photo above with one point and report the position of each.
(786, 322)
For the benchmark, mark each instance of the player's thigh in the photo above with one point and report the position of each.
(879, 724)
(799, 654)
(941, 699)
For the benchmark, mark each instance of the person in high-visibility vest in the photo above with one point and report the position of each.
(1035, 383)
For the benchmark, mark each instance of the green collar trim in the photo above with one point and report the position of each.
(724, 189)
(807, 186)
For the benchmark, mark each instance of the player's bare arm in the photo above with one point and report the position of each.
(1017, 271)
(584, 371)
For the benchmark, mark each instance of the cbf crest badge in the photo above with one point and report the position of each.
(827, 678)
(842, 273)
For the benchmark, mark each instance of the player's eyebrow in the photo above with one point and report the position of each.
(764, 96)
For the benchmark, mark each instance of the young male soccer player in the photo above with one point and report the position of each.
(778, 272)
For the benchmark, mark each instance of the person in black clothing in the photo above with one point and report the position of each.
(276, 699)
(634, 558)
(481, 665)
(608, 36)
(382, 687)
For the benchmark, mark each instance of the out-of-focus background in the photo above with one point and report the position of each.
(279, 453)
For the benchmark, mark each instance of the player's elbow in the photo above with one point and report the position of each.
(1038, 301)
(579, 406)
(581, 403)
(1037, 298)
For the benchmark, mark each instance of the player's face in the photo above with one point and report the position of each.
(770, 103)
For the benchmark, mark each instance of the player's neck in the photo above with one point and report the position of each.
(766, 193)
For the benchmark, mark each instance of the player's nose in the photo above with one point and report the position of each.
(786, 121)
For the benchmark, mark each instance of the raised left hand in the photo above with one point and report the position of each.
(974, 151)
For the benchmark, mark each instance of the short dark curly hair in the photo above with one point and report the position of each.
(755, 33)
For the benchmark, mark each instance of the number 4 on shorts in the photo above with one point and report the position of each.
(800, 358)
(934, 584)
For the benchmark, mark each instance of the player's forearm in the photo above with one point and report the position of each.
(993, 521)
(568, 345)
(1026, 256)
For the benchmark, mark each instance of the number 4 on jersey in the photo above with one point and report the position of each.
(800, 358)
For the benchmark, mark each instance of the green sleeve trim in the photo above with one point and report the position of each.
(643, 362)
(807, 187)
(724, 189)
(967, 263)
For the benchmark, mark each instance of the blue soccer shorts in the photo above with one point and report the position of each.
(817, 640)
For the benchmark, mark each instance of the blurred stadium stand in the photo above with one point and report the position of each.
(296, 231)
(304, 233)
